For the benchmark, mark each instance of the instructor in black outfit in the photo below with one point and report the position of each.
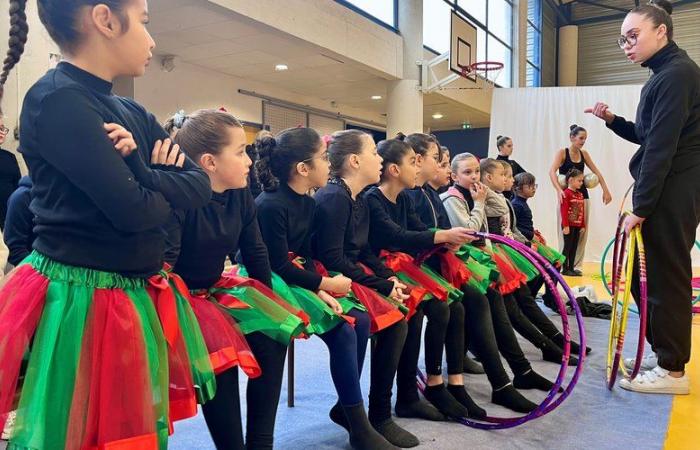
(666, 198)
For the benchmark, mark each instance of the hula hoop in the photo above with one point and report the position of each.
(554, 398)
(624, 257)
(604, 276)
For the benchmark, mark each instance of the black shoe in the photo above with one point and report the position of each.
(577, 273)
(472, 367)
(569, 273)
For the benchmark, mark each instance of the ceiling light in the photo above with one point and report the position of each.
(281, 67)
(376, 97)
(437, 116)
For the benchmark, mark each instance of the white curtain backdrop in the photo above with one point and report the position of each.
(538, 120)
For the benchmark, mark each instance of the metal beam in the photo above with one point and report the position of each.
(600, 5)
(560, 14)
(621, 15)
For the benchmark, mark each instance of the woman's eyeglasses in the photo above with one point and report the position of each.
(630, 39)
(4, 130)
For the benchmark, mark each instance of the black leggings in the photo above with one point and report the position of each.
(522, 324)
(385, 359)
(346, 347)
(570, 247)
(263, 394)
(223, 412)
(507, 342)
(445, 329)
(532, 311)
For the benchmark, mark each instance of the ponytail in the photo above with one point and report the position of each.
(19, 29)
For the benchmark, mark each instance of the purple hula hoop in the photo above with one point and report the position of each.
(550, 402)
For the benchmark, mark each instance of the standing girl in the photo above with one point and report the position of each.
(575, 157)
(341, 233)
(77, 307)
(290, 165)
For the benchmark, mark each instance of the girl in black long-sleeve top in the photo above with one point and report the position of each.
(341, 233)
(99, 204)
(395, 226)
(666, 198)
(290, 165)
(199, 241)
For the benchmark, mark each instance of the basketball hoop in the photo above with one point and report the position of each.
(488, 71)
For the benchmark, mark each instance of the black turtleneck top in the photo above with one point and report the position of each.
(93, 208)
(285, 221)
(341, 237)
(667, 126)
(199, 240)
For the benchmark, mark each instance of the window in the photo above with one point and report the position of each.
(533, 66)
(494, 29)
(382, 10)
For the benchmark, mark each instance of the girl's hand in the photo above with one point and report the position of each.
(561, 196)
(454, 236)
(399, 295)
(167, 154)
(566, 230)
(122, 139)
(331, 302)
(478, 192)
(339, 284)
(607, 198)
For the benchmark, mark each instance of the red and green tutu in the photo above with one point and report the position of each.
(96, 358)
(554, 257)
(482, 268)
(421, 275)
(224, 344)
(510, 277)
(255, 307)
(520, 262)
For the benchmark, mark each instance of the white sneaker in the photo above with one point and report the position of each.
(9, 426)
(657, 381)
(648, 362)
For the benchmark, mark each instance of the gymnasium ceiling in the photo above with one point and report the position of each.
(215, 38)
(579, 12)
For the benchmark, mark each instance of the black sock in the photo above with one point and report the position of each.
(512, 399)
(553, 353)
(575, 348)
(533, 380)
(337, 415)
(444, 402)
(419, 409)
(396, 435)
(462, 396)
(362, 435)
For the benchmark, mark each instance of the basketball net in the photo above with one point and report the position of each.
(486, 72)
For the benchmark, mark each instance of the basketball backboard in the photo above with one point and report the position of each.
(462, 45)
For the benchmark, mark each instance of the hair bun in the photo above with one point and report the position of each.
(265, 146)
(498, 138)
(663, 4)
(400, 136)
(573, 127)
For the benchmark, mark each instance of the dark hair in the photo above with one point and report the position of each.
(501, 141)
(488, 165)
(421, 142)
(278, 156)
(575, 130)
(341, 145)
(392, 151)
(204, 131)
(573, 173)
(523, 179)
(252, 149)
(659, 12)
(59, 17)
(444, 151)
